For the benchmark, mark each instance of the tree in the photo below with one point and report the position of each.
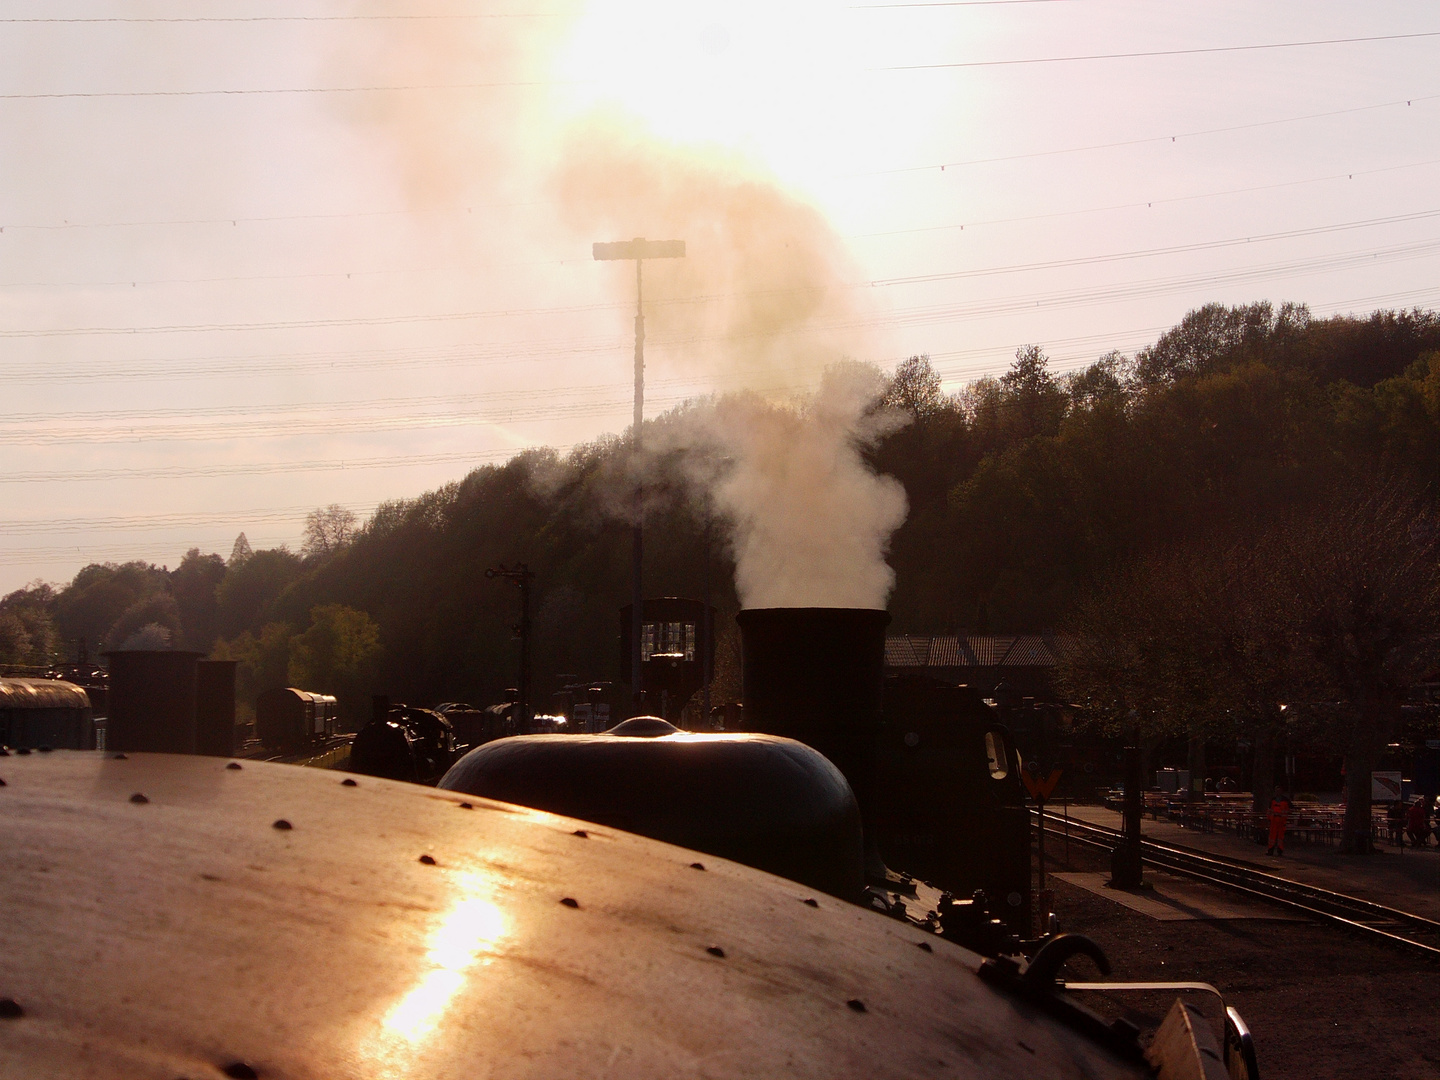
(1214, 335)
(1034, 400)
(240, 551)
(337, 655)
(1364, 568)
(1332, 609)
(328, 530)
(249, 589)
(193, 584)
(1104, 382)
(1197, 638)
(262, 663)
(27, 632)
(915, 387)
(88, 608)
(157, 613)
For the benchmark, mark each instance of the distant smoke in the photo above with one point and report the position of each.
(151, 636)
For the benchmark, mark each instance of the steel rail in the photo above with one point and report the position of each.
(1286, 892)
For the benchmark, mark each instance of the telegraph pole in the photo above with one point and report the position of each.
(638, 250)
(522, 575)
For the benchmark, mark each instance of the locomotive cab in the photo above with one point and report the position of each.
(949, 805)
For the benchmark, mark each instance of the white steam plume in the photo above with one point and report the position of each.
(809, 521)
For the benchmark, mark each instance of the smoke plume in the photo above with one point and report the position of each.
(763, 303)
(808, 520)
(760, 301)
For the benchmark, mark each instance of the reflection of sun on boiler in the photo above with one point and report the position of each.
(464, 938)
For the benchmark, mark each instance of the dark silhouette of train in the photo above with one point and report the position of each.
(288, 720)
(934, 773)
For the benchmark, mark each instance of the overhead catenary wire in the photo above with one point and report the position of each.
(255, 91)
(924, 315)
(376, 320)
(1158, 53)
(235, 220)
(1136, 204)
(26, 433)
(90, 552)
(189, 519)
(1148, 139)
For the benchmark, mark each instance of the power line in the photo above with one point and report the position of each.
(1146, 140)
(160, 521)
(1157, 53)
(380, 320)
(1177, 249)
(311, 408)
(272, 91)
(177, 472)
(953, 3)
(854, 236)
(111, 552)
(408, 87)
(236, 220)
(276, 218)
(303, 18)
(595, 405)
(1146, 203)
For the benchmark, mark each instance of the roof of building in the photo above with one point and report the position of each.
(972, 650)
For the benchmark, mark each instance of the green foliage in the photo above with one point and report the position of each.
(27, 631)
(90, 606)
(193, 584)
(247, 593)
(337, 655)
(157, 611)
(262, 663)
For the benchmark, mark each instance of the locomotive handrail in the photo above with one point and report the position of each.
(1239, 1044)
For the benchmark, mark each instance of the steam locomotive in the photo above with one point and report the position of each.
(273, 921)
(935, 776)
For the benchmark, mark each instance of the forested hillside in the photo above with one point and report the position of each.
(1023, 491)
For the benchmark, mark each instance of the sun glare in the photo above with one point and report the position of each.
(782, 83)
(463, 940)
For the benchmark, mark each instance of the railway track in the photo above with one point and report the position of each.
(1364, 916)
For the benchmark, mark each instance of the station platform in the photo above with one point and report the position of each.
(1172, 898)
(1404, 878)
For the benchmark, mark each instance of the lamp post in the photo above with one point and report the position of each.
(638, 250)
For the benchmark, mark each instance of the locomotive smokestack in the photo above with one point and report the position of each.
(818, 675)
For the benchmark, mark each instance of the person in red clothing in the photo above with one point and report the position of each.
(1416, 825)
(1279, 816)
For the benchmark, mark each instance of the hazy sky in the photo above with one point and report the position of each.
(257, 258)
